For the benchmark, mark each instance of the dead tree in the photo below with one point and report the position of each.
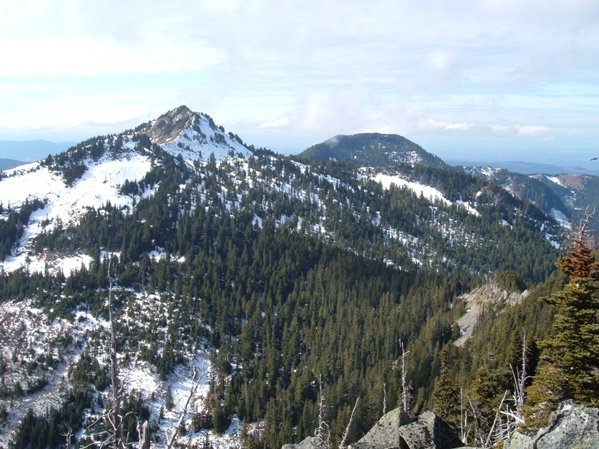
(115, 418)
(144, 435)
(512, 415)
(347, 429)
(464, 426)
(405, 395)
(195, 383)
(322, 432)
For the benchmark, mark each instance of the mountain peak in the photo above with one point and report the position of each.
(169, 125)
(371, 150)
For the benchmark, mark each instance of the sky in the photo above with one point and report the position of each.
(472, 80)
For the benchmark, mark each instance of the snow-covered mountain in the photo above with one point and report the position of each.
(207, 236)
(93, 173)
(101, 170)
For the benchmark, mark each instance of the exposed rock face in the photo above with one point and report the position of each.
(489, 295)
(168, 126)
(572, 427)
(308, 443)
(426, 432)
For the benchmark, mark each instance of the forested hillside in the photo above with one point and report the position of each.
(278, 276)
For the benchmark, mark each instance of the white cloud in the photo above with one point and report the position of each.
(449, 126)
(532, 130)
(53, 56)
(283, 122)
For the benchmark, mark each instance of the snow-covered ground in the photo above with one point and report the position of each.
(27, 338)
(64, 204)
(428, 192)
(561, 218)
(556, 180)
(193, 146)
(99, 185)
(27, 335)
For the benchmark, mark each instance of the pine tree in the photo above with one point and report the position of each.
(446, 393)
(569, 366)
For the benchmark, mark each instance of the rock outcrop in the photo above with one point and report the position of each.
(573, 426)
(308, 443)
(489, 295)
(428, 431)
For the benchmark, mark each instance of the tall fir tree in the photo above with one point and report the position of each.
(569, 366)
(446, 393)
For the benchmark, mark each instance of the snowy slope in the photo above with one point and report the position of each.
(428, 192)
(193, 146)
(180, 133)
(63, 204)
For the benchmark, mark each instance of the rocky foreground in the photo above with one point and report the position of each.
(572, 427)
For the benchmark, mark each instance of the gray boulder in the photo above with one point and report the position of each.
(308, 443)
(428, 431)
(573, 426)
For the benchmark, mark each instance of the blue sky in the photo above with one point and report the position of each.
(487, 79)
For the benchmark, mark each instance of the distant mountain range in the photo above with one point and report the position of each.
(5, 164)
(31, 150)
(530, 168)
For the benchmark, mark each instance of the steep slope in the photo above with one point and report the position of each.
(529, 188)
(371, 150)
(579, 193)
(565, 197)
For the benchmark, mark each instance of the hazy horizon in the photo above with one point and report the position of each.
(36, 149)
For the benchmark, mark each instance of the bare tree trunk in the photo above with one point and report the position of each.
(144, 435)
(117, 418)
(523, 375)
(405, 401)
(346, 433)
(489, 441)
(195, 383)
(464, 430)
(322, 431)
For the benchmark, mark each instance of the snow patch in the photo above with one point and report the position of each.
(427, 192)
(98, 186)
(561, 218)
(556, 180)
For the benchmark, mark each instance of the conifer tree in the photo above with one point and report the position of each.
(446, 393)
(569, 366)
